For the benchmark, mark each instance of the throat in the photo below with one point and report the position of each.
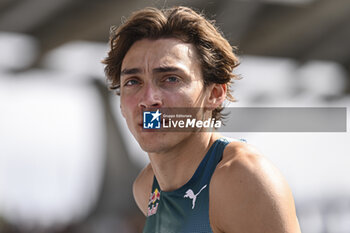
(175, 168)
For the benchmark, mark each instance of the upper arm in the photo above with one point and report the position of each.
(248, 194)
(142, 188)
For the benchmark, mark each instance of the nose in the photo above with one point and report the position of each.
(151, 97)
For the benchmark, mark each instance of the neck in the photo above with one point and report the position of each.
(175, 167)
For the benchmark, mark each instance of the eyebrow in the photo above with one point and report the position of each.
(162, 69)
(130, 71)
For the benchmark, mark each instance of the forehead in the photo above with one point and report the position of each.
(148, 53)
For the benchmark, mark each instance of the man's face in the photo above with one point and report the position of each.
(159, 73)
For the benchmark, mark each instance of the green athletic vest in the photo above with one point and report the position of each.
(185, 210)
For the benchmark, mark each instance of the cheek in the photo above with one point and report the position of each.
(196, 94)
(127, 105)
(187, 97)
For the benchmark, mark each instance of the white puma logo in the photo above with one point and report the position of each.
(190, 194)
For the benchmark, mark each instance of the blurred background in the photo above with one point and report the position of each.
(67, 161)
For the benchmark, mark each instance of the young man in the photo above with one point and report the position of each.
(195, 182)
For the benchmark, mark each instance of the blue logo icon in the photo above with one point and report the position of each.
(151, 120)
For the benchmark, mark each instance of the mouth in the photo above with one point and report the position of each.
(140, 127)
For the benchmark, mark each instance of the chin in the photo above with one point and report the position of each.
(156, 142)
(160, 142)
(152, 142)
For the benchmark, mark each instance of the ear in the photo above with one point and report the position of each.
(217, 95)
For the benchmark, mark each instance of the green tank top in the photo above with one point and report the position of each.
(185, 210)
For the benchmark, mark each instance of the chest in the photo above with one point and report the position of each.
(183, 211)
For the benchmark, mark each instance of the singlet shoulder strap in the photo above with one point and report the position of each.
(213, 157)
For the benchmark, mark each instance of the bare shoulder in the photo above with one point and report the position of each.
(142, 188)
(249, 194)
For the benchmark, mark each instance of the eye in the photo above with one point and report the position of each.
(172, 79)
(131, 82)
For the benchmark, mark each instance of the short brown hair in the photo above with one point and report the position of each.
(216, 54)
